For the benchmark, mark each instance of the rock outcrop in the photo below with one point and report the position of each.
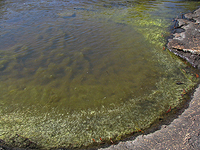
(186, 38)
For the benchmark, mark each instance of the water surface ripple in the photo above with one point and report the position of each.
(72, 71)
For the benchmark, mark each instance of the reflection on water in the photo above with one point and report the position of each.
(73, 71)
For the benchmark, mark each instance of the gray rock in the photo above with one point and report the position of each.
(186, 38)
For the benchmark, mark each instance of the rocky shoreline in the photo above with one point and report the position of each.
(183, 132)
(186, 38)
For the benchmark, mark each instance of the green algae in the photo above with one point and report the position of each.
(60, 94)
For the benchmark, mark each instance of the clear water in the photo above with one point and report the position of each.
(74, 71)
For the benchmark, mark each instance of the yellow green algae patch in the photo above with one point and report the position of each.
(107, 78)
(51, 127)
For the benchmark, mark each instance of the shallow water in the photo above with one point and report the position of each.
(74, 71)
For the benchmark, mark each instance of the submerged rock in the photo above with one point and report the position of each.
(186, 38)
(18, 142)
(67, 14)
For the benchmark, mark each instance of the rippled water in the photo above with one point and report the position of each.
(74, 71)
